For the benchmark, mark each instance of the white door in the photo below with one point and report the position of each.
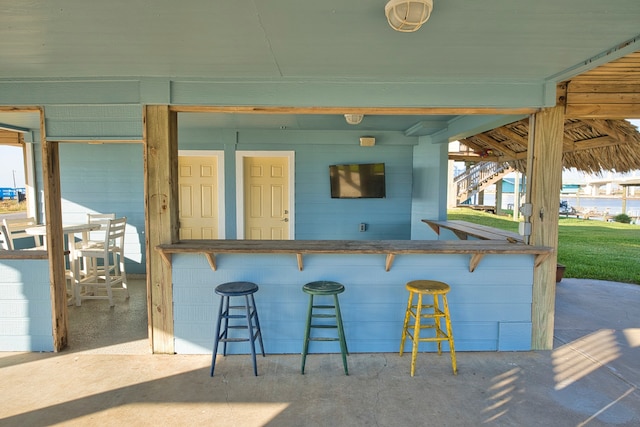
(265, 212)
(199, 196)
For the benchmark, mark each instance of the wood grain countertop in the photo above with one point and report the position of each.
(476, 248)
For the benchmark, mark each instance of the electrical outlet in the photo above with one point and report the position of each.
(363, 226)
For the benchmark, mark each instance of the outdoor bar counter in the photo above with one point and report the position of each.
(490, 300)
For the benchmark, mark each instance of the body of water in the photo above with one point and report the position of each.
(611, 205)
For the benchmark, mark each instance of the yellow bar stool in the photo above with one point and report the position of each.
(434, 312)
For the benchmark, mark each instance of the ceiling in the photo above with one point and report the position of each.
(544, 41)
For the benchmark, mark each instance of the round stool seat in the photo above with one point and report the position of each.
(234, 289)
(428, 287)
(323, 287)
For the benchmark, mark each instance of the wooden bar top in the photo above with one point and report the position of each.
(391, 248)
(351, 246)
(464, 229)
(24, 254)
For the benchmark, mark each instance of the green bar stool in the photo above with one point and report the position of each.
(237, 289)
(433, 313)
(324, 288)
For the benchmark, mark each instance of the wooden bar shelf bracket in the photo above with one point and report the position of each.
(475, 260)
(166, 257)
(300, 264)
(540, 258)
(211, 257)
(389, 262)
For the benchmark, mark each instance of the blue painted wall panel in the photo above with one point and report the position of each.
(106, 178)
(515, 336)
(373, 303)
(25, 306)
(94, 122)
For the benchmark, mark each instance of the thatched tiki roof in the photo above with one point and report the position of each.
(590, 145)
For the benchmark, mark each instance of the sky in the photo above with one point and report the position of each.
(11, 160)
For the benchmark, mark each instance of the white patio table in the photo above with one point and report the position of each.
(70, 231)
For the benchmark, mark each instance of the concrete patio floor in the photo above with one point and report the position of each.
(591, 378)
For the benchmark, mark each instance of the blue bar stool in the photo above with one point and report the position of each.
(237, 289)
(324, 288)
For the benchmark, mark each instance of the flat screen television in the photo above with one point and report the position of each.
(357, 181)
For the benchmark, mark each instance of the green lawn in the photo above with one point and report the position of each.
(589, 249)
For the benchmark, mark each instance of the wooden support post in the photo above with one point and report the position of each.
(544, 179)
(161, 223)
(55, 241)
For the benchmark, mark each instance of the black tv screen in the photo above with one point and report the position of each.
(357, 181)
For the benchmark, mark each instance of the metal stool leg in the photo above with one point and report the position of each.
(452, 350)
(258, 330)
(406, 323)
(416, 334)
(307, 332)
(436, 321)
(217, 336)
(343, 342)
(252, 340)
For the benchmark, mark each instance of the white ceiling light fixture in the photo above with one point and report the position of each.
(407, 16)
(353, 119)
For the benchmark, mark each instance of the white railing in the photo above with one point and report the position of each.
(478, 177)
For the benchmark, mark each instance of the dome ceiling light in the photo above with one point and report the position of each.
(407, 16)
(353, 119)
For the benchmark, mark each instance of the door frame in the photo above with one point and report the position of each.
(219, 154)
(240, 155)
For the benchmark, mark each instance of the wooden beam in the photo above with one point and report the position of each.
(610, 111)
(598, 95)
(497, 145)
(544, 180)
(55, 241)
(586, 144)
(603, 98)
(580, 86)
(10, 138)
(384, 111)
(604, 128)
(161, 222)
(508, 133)
(474, 157)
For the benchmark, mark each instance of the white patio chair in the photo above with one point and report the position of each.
(4, 240)
(14, 229)
(95, 237)
(106, 266)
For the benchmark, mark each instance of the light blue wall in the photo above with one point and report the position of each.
(490, 308)
(102, 178)
(429, 187)
(318, 216)
(106, 178)
(25, 306)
